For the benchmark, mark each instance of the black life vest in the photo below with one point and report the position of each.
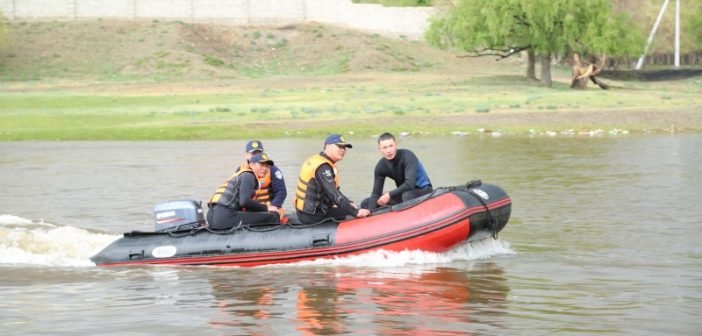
(228, 193)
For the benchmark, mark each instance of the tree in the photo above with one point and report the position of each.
(3, 31)
(696, 27)
(584, 71)
(543, 28)
(479, 27)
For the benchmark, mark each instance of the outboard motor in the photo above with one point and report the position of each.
(178, 216)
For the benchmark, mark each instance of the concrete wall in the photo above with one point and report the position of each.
(104, 9)
(41, 9)
(234, 12)
(410, 22)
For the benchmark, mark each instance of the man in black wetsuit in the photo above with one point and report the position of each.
(233, 202)
(318, 197)
(402, 166)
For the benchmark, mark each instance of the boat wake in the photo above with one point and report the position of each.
(468, 251)
(24, 242)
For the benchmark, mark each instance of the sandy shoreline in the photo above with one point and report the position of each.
(520, 123)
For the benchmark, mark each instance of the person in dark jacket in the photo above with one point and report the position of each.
(318, 196)
(273, 190)
(401, 166)
(234, 203)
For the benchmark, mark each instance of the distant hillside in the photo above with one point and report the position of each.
(156, 50)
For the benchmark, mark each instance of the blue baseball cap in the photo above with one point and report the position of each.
(337, 139)
(254, 145)
(261, 157)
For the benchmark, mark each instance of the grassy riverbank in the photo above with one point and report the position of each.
(318, 80)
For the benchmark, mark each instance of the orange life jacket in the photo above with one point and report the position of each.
(264, 194)
(308, 195)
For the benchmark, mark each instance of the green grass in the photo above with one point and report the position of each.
(430, 105)
(136, 80)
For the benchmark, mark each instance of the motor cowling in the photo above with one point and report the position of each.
(178, 215)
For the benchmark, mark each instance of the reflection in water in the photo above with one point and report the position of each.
(318, 308)
(431, 302)
(241, 307)
(424, 301)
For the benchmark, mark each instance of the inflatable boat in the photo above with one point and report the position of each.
(435, 222)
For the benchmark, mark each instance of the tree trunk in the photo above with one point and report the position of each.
(599, 83)
(583, 72)
(546, 70)
(531, 65)
(579, 83)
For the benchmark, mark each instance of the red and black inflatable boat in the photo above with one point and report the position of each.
(436, 222)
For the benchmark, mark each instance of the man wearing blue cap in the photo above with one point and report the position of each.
(272, 186)
(234, 203)
(318, 197)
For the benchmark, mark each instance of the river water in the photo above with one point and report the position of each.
(604, 239)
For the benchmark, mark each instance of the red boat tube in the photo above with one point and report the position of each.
(435, 223)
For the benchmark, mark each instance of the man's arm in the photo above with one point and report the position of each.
(249, 184)
(409, 165)
(280, 192)
(325, 177)
(378, 185)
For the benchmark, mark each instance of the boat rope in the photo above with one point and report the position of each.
(302, 226)
(263, 227)
(192, 232)
(258, 227)
(267, 227)
(413, 202)
(492, 221)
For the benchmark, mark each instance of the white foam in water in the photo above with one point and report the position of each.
(9, 219)
(482, 249)
(24, 242)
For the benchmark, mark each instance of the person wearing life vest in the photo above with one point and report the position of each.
(317, 196)
(272, 190)
(234, 203)
(401, 166)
